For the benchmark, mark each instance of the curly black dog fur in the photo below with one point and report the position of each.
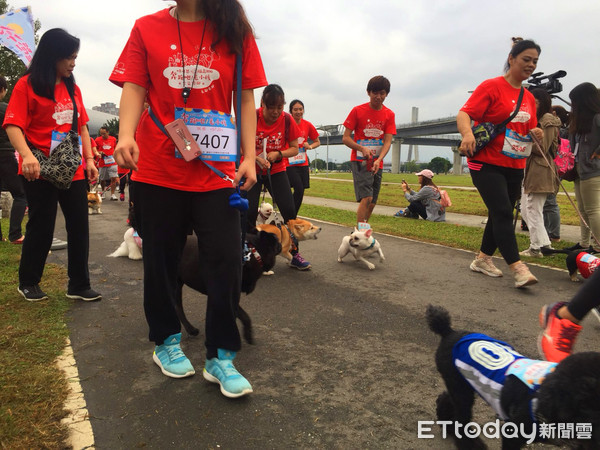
(571, 394)
(267, 246)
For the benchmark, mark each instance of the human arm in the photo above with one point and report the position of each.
(349, 142)
(247, 168)
(292, 150)
(130, 110)
(315, 143)
(424, 193)
(88, 155)
(387, 143)
(463, 123)
(30, 166)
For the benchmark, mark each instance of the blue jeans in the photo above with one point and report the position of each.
(552, 217)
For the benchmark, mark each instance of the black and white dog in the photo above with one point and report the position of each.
(522, 391)
(262, 247)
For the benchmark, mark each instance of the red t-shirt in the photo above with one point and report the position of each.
(369, 124)
(307, 131)
(494, 101)
(106, 146)
(39, 117)
(275, 136)
(152, 59)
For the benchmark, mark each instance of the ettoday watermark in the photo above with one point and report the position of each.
(510, 430)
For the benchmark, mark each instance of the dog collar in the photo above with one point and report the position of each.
(372, 244)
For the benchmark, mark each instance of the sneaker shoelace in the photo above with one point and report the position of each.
(228, 368)
(174, 352)
(299, 258)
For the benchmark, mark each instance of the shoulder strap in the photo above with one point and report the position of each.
(75, 115)
(287, 127)
(238, 114)
(516, 111)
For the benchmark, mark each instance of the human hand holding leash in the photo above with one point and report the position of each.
(247, 173)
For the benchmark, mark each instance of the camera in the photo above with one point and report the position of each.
(237, 201)
(548, 82)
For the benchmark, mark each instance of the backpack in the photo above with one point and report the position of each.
(444, 198)
(564, 160)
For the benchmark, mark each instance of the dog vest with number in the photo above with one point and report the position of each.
(485, 363)
(587, 264)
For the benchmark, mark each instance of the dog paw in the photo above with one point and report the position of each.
(340, 260)
(371, 266)
(268, 273)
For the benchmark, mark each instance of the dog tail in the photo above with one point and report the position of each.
(438, 319)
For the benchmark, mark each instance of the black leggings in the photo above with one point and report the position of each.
(299, 177)
(164, 231)
(280, 192)
(500, 188)
(587, 297)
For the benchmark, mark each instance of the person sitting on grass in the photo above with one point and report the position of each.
(424, 203)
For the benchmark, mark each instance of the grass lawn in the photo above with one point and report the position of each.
(32, 335)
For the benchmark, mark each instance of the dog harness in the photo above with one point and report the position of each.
(485, 363)
(250, 250)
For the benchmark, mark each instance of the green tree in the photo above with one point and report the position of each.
(346, 166)
(112, 126)
(411, 166)
(439, 165)
(318, 164)
(11, 67)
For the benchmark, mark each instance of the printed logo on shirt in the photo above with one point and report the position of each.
(373, 129)
(204, 75)
(522, 117)
(63, 113)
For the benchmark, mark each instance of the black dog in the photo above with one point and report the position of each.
(263, 247)
(586, 264)
(567, 393)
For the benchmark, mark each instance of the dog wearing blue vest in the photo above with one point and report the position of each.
(523, 391)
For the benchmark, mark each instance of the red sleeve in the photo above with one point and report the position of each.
(479, 102)
(132, 64)
(351, 120)
(313, 134)
(18, 107)
(390, 127)
(295, 132)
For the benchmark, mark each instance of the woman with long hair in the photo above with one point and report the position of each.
(426, 202)
(297, 166)
(497, 169)
(541, 178)
(182, 61)
(584, 137)
(39, 115)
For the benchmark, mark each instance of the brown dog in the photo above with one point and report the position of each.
(300, 228)
(94, 202)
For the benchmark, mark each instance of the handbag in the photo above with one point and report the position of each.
(485, 132)
(60, 167)
(565, 161)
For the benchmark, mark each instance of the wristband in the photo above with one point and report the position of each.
(280, 155)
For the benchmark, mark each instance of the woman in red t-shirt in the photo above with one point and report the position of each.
(40, 114)
(497, 169)
(297, 169)
(276, 140)
(182, 61)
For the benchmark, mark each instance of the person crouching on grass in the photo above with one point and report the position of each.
(373, 125)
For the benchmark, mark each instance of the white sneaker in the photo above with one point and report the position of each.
(532, 253)
(486, 266)
(523, 277)
(113, 198)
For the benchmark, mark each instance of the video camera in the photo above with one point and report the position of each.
(551, 85)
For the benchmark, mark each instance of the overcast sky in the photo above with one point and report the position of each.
(324, 52)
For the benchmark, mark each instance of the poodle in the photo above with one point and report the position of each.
(522, 391)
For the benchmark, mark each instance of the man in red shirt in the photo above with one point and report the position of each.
(374, 126)
(108, 166)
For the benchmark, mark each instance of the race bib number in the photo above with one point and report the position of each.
(516, 145)
(58, 137)
(374, 145)
(108, 160)
(214, 132)
(300, 158)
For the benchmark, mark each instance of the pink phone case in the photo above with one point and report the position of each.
(183, 139)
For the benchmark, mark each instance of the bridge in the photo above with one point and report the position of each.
(437, 133)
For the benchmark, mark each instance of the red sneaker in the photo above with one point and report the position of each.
(558, 337)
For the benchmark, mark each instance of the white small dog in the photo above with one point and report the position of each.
(268, 215)
(130, 247)
(360, 244)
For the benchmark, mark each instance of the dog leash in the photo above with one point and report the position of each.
(537, 143)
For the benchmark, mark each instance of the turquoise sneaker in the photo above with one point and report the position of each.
(222, 371)
(171, 360)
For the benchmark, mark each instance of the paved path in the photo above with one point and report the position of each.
(568, 232)
(343, 357)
